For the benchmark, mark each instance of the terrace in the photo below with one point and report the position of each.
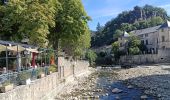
(21, 63)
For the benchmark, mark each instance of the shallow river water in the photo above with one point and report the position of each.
(99, 86)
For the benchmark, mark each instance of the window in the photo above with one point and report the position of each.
(163, 38)
(142, 42)
(163, 47)
(146, 35)
(141, 36)
(146, 42)
(157, 40)
(121, 45)
(162, 30)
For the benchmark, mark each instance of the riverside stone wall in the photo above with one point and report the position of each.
(49, 85)
(69, 67)
(163, 56)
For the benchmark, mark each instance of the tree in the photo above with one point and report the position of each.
(71, 31)
(126, 27)
(91, 56)
(156, 21)
(115, 50)
(134, 45)
(118, 33)
(99, 28)
(115, 47)
(28, 19)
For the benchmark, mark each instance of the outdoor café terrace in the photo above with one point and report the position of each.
(20, 62)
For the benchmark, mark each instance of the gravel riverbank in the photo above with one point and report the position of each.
(154, 79)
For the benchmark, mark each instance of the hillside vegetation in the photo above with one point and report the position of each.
(138, 18)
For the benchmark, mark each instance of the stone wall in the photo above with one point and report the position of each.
(163, 56)
(49, 85)
(69, 67)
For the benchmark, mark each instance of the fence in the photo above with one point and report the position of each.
(18, 78)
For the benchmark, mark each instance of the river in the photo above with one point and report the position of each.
(104, 85)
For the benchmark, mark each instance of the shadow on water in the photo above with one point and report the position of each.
(107, 82)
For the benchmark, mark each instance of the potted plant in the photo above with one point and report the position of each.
(52, 69)
(6, 86)
(41, 73)
(24, 78)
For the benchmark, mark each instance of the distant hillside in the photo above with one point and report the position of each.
(138, 18)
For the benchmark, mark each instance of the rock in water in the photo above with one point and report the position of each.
(117, 98)
(144, 97)
(116, 90)
(130, 87)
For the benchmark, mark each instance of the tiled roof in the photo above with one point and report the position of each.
(146, 30)
(151, 29)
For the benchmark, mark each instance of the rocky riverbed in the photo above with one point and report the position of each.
(153, 79)
(141, 82)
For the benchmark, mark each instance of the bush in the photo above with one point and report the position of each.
(53, 68)
(7, 82)
(24, 75)
(91, 56)
(40, 71)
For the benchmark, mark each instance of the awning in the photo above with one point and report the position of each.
(32, 50)
(16, 48)
(2, 48)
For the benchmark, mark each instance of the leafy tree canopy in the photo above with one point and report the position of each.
(28, 19)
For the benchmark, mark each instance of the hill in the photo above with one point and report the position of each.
(138, 18)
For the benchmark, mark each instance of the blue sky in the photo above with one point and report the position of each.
(104, 10)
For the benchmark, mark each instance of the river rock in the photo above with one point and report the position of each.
(130, 87)
(117, 98)
(116, 90)
(143, 97)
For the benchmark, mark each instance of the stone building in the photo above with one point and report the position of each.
(154, 38)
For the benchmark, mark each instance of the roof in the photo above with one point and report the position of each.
(146, 30)
(165, 25)
(14, 44)
(125, 34)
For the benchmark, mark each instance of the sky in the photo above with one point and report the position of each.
(103, 11)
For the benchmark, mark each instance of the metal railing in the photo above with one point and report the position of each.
(15, 77)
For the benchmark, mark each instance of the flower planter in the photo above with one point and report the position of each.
(41, 75)
(6, 88)
(49, 73)
(25, 82)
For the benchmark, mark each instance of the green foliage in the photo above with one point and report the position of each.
(115, 50)
(62, 22)
(91, 56)
(117, 34)
(53, 68)
(22, 76)
(115, 47)
(134, 45)
(40, 71)
(134, 50)
(71, 31)
(7, 82)
(28, 19)
(156, 21)
(134, 41)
